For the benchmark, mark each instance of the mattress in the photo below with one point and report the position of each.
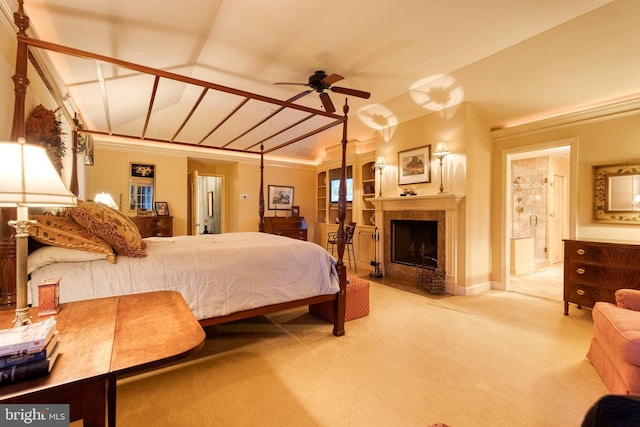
(217, 274)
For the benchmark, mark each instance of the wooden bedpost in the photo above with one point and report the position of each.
(7, 233)
(340, 304)
(261, 192)
(74, 187)
(20, 80)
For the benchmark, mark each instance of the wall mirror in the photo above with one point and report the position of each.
(141, 187)
(617, 192)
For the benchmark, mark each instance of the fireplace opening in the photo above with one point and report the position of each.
(414, 242)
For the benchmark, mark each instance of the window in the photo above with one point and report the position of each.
(141, 187)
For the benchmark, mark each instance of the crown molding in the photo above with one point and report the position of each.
(613, 110)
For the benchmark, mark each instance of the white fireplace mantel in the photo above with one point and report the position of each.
(450, 203)
(443, 202)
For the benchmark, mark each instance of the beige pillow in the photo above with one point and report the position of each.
(66, 233)
(54, 254)
(111, 225)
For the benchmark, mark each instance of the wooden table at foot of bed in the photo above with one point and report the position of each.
(101, 340)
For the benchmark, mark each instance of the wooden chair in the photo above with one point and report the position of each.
(332, 240)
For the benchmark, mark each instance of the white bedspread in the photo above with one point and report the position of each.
(217, 274)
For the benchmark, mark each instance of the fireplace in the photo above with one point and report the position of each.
(414, 242)
(441, 211)
(413, 239)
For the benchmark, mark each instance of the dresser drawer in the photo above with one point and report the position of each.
(587, 296)
(613, 277)
(604, 254)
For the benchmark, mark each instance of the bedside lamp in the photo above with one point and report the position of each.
(107, 200)
(441, 152)
(28, 180)
(380, 165)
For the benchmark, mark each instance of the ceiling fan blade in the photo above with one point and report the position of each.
(300, 95)
(331, 79)
(352, 92)
(291, 83)
(326, 102)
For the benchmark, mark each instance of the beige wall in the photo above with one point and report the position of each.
(465, 170)
(110, 173)
(243, 177)
(598, 137)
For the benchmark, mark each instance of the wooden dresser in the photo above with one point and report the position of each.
(154, 226)
(294, 226)
(594, 271)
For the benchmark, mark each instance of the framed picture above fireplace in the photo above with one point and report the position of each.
(414, 165)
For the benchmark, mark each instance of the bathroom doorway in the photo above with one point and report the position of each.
(537, 220)
(207, 203)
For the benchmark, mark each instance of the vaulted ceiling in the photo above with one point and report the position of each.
(517, 61)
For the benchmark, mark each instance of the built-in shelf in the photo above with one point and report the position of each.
(368, 173)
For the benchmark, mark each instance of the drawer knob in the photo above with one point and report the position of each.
(580, 271)
(580, 251)
(580, 292)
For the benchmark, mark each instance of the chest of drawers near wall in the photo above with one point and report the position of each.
(154, 226)
(594, 271)
(294, 227)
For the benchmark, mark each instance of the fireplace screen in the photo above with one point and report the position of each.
(414, 243)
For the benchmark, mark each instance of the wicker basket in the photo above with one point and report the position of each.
(431, 279)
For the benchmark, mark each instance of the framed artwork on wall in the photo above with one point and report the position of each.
(280, 197)
(211, 202)
(414, 165)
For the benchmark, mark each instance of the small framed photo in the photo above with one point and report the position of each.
(48, 297)
(414, 165)
(162, 208)
(295, 211)
(280, 197)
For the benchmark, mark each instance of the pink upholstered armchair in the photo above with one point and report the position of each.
(615, 346)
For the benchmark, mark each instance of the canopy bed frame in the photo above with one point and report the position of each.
(289, 133)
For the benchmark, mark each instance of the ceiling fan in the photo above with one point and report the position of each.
(320, 81)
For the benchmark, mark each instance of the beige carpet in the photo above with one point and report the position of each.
(497, 359)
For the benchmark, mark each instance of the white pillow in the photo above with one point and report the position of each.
(49, 254)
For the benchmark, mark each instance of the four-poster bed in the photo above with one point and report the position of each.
(302, 122)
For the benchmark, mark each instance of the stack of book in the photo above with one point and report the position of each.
(28, 351)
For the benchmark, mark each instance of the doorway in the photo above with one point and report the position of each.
(537, 220)
(207, 203)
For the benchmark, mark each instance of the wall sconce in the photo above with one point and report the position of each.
(29, 179)
(380, 165)
(441, 152)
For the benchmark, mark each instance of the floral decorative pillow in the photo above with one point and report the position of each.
(111, 225)
(66, 233)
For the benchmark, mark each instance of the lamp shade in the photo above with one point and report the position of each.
(441, 150)
(29, 178)
(106, 199)
(380, 162)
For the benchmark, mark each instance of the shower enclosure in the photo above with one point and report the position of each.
(529, 225)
